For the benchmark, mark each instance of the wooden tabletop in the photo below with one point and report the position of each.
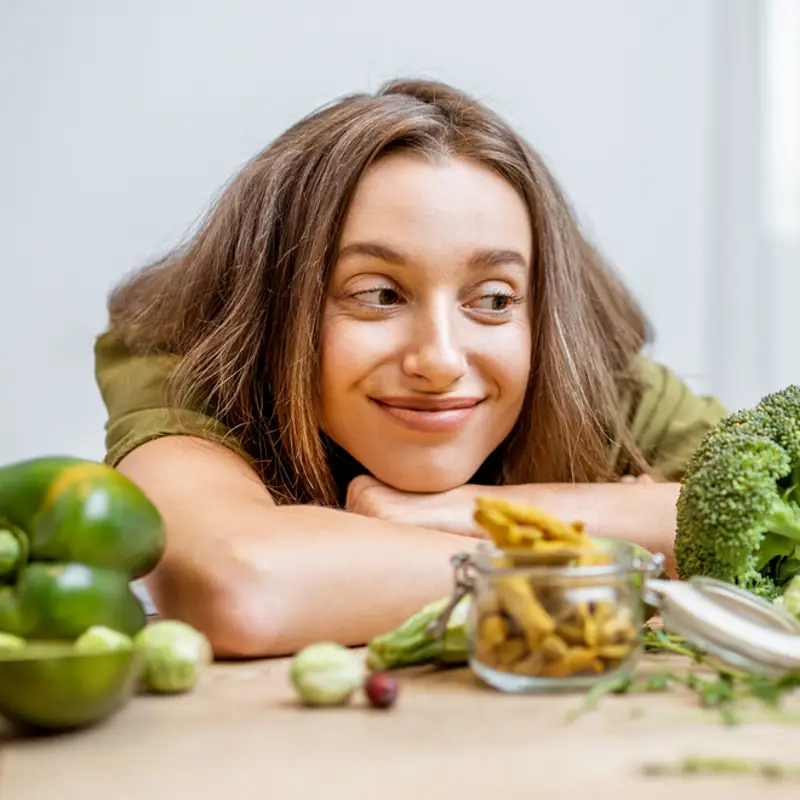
(240, 735)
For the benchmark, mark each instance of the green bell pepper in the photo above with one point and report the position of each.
(73, 535)
(62, 600)
(75, 510)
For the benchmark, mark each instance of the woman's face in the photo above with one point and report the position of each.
(426, 340)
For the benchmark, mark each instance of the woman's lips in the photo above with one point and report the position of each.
(430, 415)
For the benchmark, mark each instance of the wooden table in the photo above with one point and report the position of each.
(240, 735)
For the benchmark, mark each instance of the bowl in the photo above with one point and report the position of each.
(48, 686)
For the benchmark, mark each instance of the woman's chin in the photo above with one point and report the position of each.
(422, 481)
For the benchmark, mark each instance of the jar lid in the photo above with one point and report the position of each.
(741, 629)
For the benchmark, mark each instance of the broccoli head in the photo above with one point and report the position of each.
(738, 512)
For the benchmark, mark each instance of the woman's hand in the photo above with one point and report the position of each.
(641, 480)
(446, 511)
(451, 511)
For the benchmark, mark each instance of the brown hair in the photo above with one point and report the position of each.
(241, 302)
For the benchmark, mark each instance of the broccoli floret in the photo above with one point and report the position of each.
(738, 512)
(779, 416)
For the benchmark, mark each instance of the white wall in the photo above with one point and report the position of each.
(121, 119)
(781, 183)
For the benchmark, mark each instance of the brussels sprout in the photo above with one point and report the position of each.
(101, 639)
(326, 674)
(175, 655)
(10, 642)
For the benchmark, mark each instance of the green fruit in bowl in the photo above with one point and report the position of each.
(10, 642)
(101, 639)
(51, 686)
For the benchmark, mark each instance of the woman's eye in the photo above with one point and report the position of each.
(496, 302)
(379, 297)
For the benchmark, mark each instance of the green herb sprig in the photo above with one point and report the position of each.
(722, 688)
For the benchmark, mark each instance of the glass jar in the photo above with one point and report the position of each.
(539, 626)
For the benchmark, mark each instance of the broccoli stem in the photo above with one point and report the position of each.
(782, 535)
(794, 492)
(784, 519)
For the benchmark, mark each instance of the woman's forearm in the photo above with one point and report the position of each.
(325, 574)
(637, 512)
(263, 580)
(642, 511)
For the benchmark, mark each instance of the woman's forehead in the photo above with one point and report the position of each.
(405, 202)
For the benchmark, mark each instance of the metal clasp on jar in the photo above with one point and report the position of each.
(464, 584)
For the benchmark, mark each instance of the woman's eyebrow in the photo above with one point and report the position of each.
(373, 249)
(480, 259)
(497, 258)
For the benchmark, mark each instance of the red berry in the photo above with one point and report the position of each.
(381, 689)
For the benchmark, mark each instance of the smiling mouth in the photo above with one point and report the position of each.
(429, 414)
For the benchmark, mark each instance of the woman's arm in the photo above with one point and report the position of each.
(641, 511)
(261, 579)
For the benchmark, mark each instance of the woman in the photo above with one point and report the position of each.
(389, 311)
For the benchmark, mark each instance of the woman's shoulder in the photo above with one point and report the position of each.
(135, 389)
(668, 419)
(128, 379)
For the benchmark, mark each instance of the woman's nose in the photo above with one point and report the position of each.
(435, 353)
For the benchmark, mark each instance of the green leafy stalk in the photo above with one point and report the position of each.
(658, 641)
(661, 642)
(700, 765)
(611, 686)
(412, 644)
(727, 688)
(619, 685)
(724, 689)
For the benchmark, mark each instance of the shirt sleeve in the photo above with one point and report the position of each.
(134, 391)
(668, 420)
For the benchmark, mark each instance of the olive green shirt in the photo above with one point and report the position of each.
(667, 419)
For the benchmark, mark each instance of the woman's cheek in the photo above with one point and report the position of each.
(352, 348)
(506, 355)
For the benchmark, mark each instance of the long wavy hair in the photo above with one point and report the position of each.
(241, 301)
